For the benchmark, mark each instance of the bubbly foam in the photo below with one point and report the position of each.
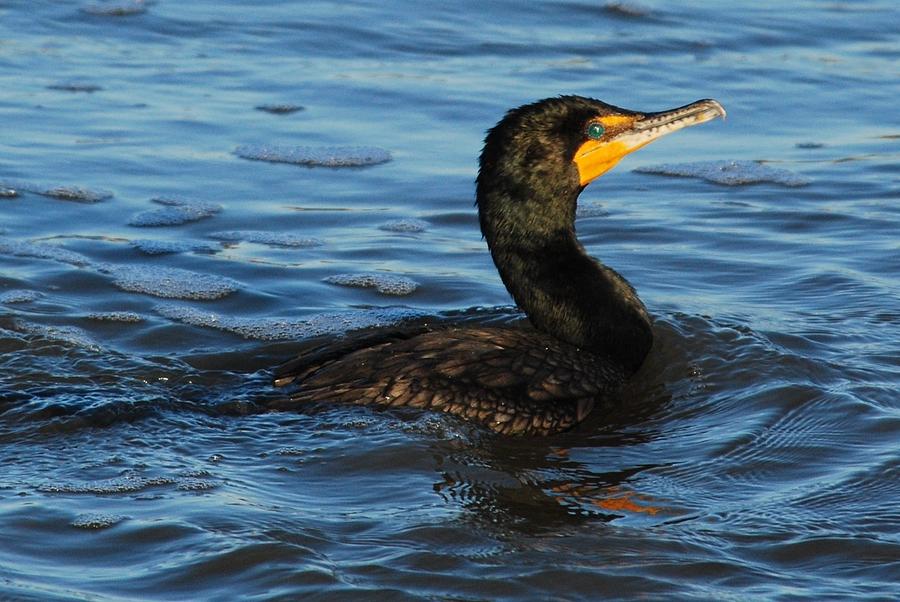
(386, 284)
(194, 485)
(276, 239)
(175, 213)
(279, 329)
(116, 316)
(77, 194)
(405, 225)
(19, 296)
(590, 210)
(126, 484)
(42, 251)
(95, 522)
(68, 335)
(729, 173)
(320, 156)
(166, 247)
(169, 283)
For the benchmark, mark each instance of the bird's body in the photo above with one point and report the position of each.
(589, 330)
(513, 380)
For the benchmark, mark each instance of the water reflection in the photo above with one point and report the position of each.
(539, 485)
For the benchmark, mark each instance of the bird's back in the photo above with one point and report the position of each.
(513, 380)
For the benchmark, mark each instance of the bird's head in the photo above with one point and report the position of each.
(559, 145)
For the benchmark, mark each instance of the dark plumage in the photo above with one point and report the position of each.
(590, 330)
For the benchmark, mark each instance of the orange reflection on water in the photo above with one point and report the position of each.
(610, 499)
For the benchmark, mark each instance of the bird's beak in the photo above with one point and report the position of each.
(627, 132)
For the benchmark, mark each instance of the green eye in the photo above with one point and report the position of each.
(595, 131)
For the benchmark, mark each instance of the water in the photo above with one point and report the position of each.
(755, 456)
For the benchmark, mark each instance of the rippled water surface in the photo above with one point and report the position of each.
(189, 189)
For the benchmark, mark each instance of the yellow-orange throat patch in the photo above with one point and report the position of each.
(596, 157)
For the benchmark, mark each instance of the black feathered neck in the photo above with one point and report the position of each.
(527, 191)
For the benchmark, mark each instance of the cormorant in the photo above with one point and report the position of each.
(589, 330)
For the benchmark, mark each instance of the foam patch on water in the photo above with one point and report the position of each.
(175, 213)
(590, 210)
(386, 284)
(116, 316)
(77, 194)
(68, 335)
(321, 156)
(281, 329)
(276, 239)
(411, 225)
(19, 296)
(167, 247)
(195, 485)
(115, 8)
(280, 109)
(169, 283)
(95, 522)
(41, 251)
(729, 173)
(107, 487)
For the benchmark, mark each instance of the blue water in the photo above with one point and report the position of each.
(755, 456)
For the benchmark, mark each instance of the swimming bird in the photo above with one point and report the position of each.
(589, 331)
